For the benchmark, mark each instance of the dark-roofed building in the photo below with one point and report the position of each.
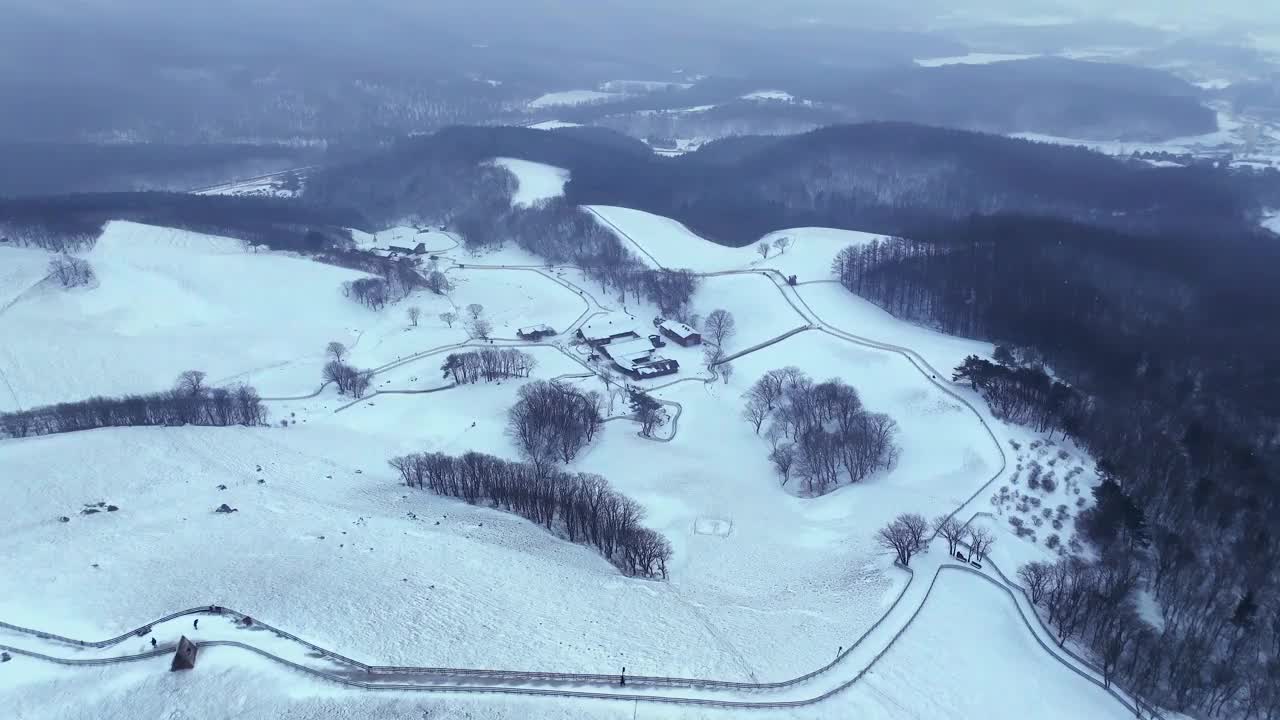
(635, 357)
(535, 332)
(681, 333)
(419, 249)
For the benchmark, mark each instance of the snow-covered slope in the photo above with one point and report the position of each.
(536, 181)
(166, 301)
(764, 585)
(570, 97)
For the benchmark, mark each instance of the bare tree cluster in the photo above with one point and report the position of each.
(70, 271)
(581, 506)
(904, 536)
(820, 432)
(349, 380)
(373, 293)
(552, 421)
(189, 403)
(488, 364)
(1096, 604)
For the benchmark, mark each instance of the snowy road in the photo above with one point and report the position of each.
(225, 629)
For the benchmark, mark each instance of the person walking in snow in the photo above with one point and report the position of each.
(153, 643)
(196, 625)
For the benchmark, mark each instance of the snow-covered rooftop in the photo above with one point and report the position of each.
(607, 327)
(678, 329)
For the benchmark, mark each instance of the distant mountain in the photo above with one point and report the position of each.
(883, 177)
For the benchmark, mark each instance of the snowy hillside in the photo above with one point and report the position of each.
(764, 585)
(536, 181)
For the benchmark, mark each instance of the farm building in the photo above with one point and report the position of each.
(419, 249)
(535, 332)
(608, 329)
(635, 357)
(680, 332)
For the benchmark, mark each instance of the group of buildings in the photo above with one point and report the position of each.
(635, 353)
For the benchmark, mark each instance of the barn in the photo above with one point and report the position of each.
(535, 332)
(606, 330)
(681, 333)
(635, 357)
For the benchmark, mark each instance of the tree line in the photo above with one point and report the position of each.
(64, 223)
(582, 506)
(488, 364)
(1163, 370)
(190, 402)
(819, 431)
(1023, 395)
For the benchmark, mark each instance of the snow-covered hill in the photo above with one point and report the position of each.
(763, 586)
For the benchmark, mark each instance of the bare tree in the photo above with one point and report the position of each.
(70, 271)
(190, 383)
(980, 542)
(719, 327)
(783, 457)
(904, 536)
(414, 313)
(781, 244)
(951, 529)
(725, 369)
(475, 310)
(712, 355)
(438, 283)
(336, 350)
(756, 411)
(480, 327)
(1036, 576)
(763, 248)
(448, 318)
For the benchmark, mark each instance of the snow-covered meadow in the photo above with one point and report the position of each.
(764, 585)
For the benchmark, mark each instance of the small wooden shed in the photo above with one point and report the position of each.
(185, 656)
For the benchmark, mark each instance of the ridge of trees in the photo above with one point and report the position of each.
(878, 176)
(581, 506)
(1163, 357)
(73, 222)
(488, 364)
(190, 402)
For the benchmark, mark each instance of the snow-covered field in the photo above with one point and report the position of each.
(536, 181)
(1229, 132)
(553, 125)
(779, 95)
(971, 59)
(281, 185)
(969, 656)
(1272, 223)
(764, 585)
(570, 97)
